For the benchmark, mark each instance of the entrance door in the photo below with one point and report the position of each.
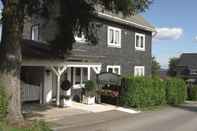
(79, 76)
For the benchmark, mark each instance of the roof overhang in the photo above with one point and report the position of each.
(48, 63)
(127, 22)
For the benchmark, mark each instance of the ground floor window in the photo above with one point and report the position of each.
(114, 69)
(139, 71)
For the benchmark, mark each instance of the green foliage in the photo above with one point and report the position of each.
(90, 88)
(37, 126)
(155, 67)
(193, 95)
(3, 102)
(172, 67)
(40, 126)
(143, 92)
(176, 91)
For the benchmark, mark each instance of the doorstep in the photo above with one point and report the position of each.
(97, 108)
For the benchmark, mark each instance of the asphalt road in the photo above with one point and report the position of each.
(182, 118)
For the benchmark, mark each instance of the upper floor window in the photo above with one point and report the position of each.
(80, 38)
(193, 72)
(35, 32)
(114, 37)
(139, 71)
(140, 41)
(114, 69)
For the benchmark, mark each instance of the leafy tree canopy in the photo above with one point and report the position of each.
(75, 16)
(172, 66)
(155, 67)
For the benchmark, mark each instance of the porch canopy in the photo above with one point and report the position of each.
(39, 54)
(60, 66)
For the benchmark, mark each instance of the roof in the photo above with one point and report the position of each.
(37, 50)
(137, 20)
(188, 60)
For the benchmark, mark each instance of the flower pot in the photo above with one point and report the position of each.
(66, 102)
(89, 100)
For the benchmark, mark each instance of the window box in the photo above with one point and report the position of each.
(114, 37)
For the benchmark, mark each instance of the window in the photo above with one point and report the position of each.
(139, 71)
(35, 32)
(80, 38)
(114, 37)
(139, 41)
(193, 72)
(113, 69)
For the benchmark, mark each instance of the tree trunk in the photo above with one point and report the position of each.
(11, 58)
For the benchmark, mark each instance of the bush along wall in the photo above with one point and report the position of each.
(141, 92)
(176, 91)
(193, 93)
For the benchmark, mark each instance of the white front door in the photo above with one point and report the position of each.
(79, 76)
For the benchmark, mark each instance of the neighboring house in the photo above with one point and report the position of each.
(187, 67)
(124, 48)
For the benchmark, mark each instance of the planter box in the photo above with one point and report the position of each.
(66, 103)
(89, 100)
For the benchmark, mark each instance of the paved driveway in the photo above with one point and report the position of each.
(182, 118)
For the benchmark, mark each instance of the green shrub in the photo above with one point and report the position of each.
(40, 126)
(37, 126)
(176, 91)
(143, 92)
(90, 88)
(3, 102)
(193, 95)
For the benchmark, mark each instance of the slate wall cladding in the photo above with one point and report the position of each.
(126, 56)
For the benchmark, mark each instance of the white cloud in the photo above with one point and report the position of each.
(168, 33)
(195, 39)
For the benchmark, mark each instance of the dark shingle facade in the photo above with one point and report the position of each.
(127, 57)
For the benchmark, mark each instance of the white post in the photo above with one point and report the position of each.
(81, 81)
(74, 75)
(58, 91)
(88, 73)
(59, 73)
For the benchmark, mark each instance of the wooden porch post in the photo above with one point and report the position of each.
(59, 71)
(58, 91)
(89, 73)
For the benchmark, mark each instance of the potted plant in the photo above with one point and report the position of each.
(89, 92)
(65, 101)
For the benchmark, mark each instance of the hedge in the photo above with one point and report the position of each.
(141, 92)
(176, 91)
(193, 94)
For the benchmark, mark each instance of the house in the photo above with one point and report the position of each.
(124, 48)
(187, 67)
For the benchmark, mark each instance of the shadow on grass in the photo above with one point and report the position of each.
(34, 110)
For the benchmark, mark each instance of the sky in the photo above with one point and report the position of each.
(176, 25)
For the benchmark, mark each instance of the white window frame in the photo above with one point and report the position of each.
(193, 72)
(113, 67)
(36, 26)
(81, 39)
(139, 48)
(139, 68)
(114, 44)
